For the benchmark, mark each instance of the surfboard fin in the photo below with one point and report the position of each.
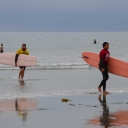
(85, 57)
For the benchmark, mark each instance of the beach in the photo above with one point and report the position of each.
(61, 89)
(37, 101)
(82, 111)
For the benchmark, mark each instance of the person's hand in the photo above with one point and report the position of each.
(15, 64)
(102, 70)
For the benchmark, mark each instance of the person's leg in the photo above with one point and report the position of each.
(23, 70)
(21, 73)
(106, 78)
(103, 82)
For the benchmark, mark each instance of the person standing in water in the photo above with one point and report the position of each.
(104, 56)
(94, 41)
(23, 50)
(1, 48)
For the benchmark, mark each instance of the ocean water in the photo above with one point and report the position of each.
(60, 70)
(63, 50)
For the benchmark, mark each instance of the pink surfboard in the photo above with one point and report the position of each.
(115, 66)
(23, 60)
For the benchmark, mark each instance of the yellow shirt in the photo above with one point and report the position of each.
(20, 51)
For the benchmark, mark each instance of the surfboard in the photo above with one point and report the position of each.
(23, 60)
(115, 66)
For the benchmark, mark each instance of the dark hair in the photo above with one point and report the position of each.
(1, 44)
(23, 44)
(104, 44)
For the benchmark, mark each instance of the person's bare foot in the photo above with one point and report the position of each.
(99, 89)
(105, 92)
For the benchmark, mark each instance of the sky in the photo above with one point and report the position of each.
(63, 15)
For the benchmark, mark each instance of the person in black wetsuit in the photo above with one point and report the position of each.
(1, 48)
(104, 55)
(94, 41)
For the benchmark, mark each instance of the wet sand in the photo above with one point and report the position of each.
(89, 110)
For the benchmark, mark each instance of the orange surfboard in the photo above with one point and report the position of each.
(115, 66)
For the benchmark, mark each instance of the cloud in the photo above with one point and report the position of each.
(63, 15)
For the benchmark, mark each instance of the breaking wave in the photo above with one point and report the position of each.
(53, 66)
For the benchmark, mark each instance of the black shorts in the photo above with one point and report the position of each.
(22, 67)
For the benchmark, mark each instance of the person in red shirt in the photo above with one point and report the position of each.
(104, 56)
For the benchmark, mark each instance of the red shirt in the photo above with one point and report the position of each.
(104, 54)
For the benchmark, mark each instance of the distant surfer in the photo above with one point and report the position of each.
(104, 55)
(94, 41)
(23, 50)
(1, 48)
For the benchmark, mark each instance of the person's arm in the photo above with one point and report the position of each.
(102, 63)
(16, 58)
(28, 53)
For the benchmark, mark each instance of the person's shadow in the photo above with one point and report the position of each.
(104, 118)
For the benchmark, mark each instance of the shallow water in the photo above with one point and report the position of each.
(50, 83)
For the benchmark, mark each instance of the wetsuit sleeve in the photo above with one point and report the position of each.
(102, 63)
(16, 58)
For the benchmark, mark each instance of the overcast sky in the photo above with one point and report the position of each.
(64, 15)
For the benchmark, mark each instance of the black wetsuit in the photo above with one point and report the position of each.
(104, 74)
(1, 50)
(104, 54)
(94, 41)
